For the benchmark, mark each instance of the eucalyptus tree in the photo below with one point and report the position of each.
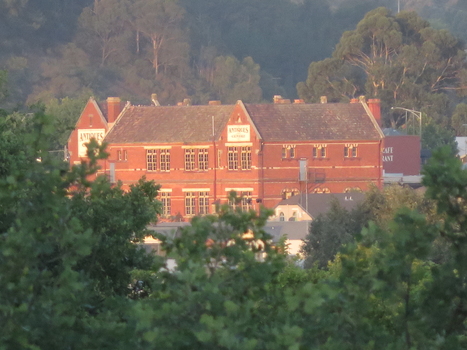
(399, 58)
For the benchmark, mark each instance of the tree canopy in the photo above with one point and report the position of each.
(398, 58)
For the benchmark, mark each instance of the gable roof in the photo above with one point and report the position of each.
(320, 203)
(301, 122)
(97, 108)
(169, 124)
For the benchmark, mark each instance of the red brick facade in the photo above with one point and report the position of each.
(198, 154)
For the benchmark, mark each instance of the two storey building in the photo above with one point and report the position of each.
(263, 152)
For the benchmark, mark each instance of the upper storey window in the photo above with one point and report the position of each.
(165, 159)
(151, 159)
(190, 159)
(320, 151)
(203, 160)
(350, 151)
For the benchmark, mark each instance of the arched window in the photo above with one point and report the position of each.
(281, 216)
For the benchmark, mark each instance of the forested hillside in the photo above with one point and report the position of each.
(59, 52)
(203, 49)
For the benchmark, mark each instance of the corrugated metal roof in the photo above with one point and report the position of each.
(300, 122)
(170, 124)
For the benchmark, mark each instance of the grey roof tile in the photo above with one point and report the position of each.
(300, 122)
(170, 124)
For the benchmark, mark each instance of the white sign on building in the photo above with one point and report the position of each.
(237, 133)
(85, 135)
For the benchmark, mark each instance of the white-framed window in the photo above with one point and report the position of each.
(319, 152)
(122, 155)
(292, 152)
(281, 216)
(289, 192)
(232, 158)
(165, 160)
(246, 201)
(203, 160)
(151, 159)
(246, 158)
(190, 159)
(203, 203)
(166, 203)
(350, 151)
(190, 203)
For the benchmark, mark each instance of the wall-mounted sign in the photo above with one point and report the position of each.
(85, 135)
(238, 133)
(388, 154)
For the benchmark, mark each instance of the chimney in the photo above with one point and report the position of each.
(113, 109)
(277, 98)
(298, 101)
(323, 99)
(186, 102)
(214, 103)
(354, 100)
(374, 104)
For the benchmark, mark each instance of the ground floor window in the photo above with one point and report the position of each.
(166, 203)
(203, 203)
(190, 203)
(246, 201)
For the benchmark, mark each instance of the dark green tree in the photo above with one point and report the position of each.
(400, 59)
(65, 257)
(330, 231)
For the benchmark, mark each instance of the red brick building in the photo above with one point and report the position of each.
(264, 152)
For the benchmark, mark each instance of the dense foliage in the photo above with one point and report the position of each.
(73, 275)
(403, 61)
(132, 48)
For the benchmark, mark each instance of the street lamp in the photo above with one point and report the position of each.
(418, 114)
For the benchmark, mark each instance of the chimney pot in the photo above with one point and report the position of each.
(323, 99)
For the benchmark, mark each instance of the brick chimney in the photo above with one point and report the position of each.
(113, 108)
(374, 104)
(277, 98)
